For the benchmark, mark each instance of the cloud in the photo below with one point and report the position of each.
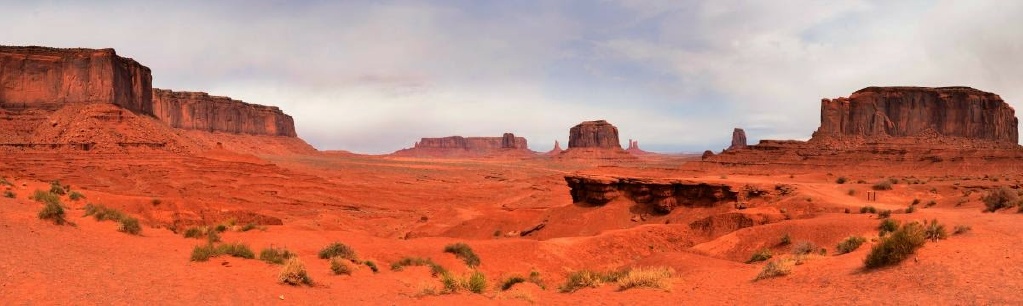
(374, 76)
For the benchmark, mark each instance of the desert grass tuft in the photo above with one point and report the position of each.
(464, 252)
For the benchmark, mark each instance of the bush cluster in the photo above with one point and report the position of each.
(849, 244)
(896, 247)
(464, 252)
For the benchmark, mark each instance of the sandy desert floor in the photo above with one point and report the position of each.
(389, 208)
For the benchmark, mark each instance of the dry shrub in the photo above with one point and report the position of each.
(340, 265)
(775, 268)
(293, 273)
(650, 277)
(1002, 197)
(850, 244)
(896, 247)
(338, 249)
(464, 252)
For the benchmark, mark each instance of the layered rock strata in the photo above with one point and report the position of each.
(663, 195)
(201, 111)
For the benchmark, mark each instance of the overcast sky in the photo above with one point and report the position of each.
(375, 76)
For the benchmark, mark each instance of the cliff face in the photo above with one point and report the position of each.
(49, 78)
(663, 195)
(201, 111)
(919, 111)
(594, 134)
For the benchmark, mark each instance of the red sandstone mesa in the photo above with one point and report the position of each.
(201, 111)
(53, 97)
(50, 78)
(594, 134)
(917, 111)
(508, 141)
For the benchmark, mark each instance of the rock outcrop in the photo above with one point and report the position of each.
(594, 134)
(738, 140)
(634, 148)
(663, 195)
(50, 78)
(201, 111)
(882, 112)
(556, 150)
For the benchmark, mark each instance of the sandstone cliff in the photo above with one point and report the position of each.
(201, 111)
(594, 134)
(663, 195)
(49, 78)
(880, 112)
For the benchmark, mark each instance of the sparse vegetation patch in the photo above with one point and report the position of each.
(652, 277)
(761, 255)
(896, 247)
(849, 244)
(293, 273)
(275, 256)
(463, 251)
(338, 249)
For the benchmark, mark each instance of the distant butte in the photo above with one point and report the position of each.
(458, 146)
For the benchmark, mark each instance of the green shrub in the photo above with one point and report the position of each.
(103, 213)
(915, 201)
(910, 209)
(293, 273)
(338, 249)
(868, 209)
(463, 251)
(75, 196)
(841, 180)
(882, 185)
(45, 197)
(275, 256)
(507, 283)
(194, 232)
(804, 248)
(372, 266)
(887, 226)
(775, 268)
(535, 278)
(4, 181)
(581, 279)
(450, 282)
(931, 203)
(1002, 197)
(9, 194)
(761, 255)
(785, 240)
(850, 244)
(248, 227)
(204, 252)
(340, 265)
(653, 277)
(220, 228)
(884, 214)
(236, 249)
(896, 247)
(435, 269)
(129, 225)
(53, 212)
(58, 189)
(477, 282)
(934, 230)
(961, 229)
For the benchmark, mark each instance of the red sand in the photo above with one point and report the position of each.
(388, 208)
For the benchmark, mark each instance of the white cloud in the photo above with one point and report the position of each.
(676, 75)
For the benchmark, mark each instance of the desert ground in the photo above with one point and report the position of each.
(387, 208)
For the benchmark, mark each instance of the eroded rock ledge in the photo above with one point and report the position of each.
(663, 194)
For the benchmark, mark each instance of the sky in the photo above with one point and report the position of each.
(677, 76)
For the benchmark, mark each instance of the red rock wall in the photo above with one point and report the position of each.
(48, 78)
(201, 111)
(738, 139)
(919, 111)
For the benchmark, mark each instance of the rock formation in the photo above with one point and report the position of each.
(201, 111)
(950, 128)
(738, 140)
(879, 112)
(594, 134)
(455, 146)
(94, 100)
(49, 78)
(662, 195)
(634, 148)
(556, 150)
